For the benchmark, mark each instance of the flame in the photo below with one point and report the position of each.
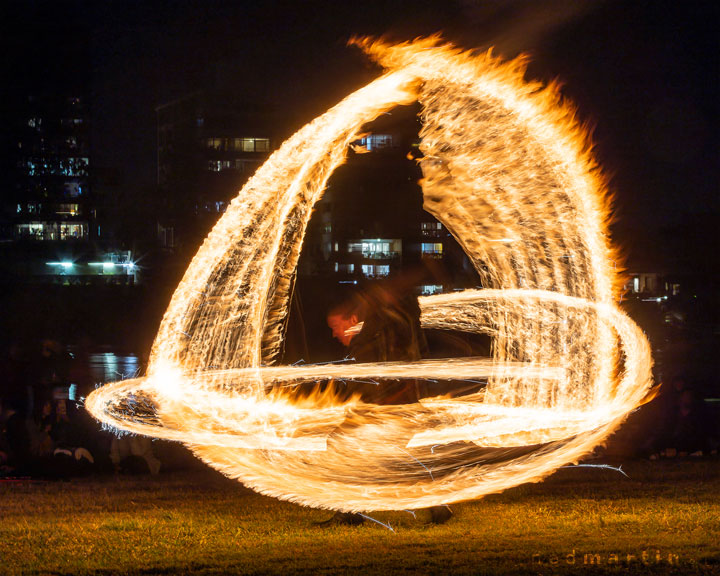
(509, 172)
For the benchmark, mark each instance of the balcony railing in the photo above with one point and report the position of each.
(381, 255)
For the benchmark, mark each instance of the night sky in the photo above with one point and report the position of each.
(644, 74)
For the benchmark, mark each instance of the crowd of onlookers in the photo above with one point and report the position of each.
(45, 431)
(680, 421)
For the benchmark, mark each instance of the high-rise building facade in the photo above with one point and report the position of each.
(49, 224)
(370, 224)
(207, 147)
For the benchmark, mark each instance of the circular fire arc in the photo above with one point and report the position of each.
(508, 172)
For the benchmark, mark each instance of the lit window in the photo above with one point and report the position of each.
(29, 167)
(377, 142)
(35, 231)
(72, 189)
(52, 230)
(68, 209)
(56, 166)
(73, 231)
(219, 165)
(251, 144)
(432, 248)
(215, 143)
(373, 271)
(77, 166)
(379, 248)
(429, 289)
(431, 229)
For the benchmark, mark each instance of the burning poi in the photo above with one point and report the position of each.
(509, 172)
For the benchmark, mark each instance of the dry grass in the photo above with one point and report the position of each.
(201, 523)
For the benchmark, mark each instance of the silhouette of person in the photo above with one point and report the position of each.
(382, 325)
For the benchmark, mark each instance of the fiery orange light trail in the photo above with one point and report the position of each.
(509, 172)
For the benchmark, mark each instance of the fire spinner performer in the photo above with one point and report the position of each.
(509, 172)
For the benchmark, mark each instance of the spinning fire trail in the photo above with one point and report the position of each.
(509, 173)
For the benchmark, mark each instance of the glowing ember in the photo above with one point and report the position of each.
(509, 173)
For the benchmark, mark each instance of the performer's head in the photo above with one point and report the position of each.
(345, 320)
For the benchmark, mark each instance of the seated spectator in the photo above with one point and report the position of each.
(129, 452)
(14, 436)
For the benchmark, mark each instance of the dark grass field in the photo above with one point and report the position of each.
(663, 519)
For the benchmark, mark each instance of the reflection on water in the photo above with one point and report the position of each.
(109, 367)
